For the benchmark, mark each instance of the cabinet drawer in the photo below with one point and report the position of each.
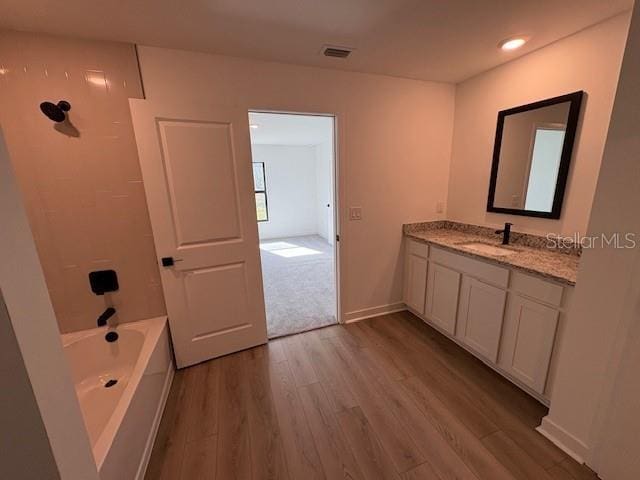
(547, 292)
(476, 268)
(417, 248)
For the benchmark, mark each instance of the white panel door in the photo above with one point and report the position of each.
(196, 166)
(481, 316)
(416, 282)
(529, 336)
(443, 286)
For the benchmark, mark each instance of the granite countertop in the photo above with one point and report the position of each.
(534, 254)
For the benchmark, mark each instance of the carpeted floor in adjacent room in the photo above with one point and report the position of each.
(299, 284)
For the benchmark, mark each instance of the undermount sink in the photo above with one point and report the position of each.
(488, 249)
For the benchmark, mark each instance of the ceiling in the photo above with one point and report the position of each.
(290, 129)
(444, 40)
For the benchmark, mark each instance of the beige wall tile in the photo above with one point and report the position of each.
(84, 193)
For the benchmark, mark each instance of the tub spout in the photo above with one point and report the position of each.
(106, 315)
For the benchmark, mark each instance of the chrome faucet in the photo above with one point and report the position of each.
(506, 232)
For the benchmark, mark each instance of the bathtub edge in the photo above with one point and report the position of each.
(146, 456)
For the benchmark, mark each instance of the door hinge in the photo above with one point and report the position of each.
(337, 238)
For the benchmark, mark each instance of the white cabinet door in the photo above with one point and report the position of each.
(416, 282)
(443, 286)
(529, 335)
(481, 316)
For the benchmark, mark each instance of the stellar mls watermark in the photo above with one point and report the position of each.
(603, 240)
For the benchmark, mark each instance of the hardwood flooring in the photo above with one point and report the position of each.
(385, 398)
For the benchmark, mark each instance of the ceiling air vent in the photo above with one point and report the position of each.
(337, 52)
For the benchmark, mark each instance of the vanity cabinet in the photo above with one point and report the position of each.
(508, 319)
(481, 316)
(443, 287)
(528, 340)
(415, 283)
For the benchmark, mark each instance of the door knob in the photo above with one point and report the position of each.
(169, 261)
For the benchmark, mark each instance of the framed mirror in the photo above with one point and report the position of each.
(531, 157)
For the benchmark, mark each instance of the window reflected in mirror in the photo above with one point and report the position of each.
(532, 155)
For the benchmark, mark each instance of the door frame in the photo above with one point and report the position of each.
(335, 177)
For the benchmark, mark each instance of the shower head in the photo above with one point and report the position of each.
(55, 112)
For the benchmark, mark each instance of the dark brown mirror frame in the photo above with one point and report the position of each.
(565, 160)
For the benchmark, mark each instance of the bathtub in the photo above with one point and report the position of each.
(122, 388)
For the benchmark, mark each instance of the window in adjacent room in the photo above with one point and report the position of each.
(260, 188)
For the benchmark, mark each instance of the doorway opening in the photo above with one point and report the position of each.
(294, 178)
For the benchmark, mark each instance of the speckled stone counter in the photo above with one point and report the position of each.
(535, 255)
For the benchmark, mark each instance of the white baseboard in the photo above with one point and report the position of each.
(146, 456)
(358, 315)
(563, 440)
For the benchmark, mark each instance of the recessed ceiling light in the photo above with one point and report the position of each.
(512, 43)
(253, 125)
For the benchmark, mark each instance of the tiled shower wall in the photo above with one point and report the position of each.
(81, 183)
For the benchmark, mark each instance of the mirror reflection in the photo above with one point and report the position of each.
(530, 157)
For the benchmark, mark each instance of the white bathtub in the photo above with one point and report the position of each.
(122, 420)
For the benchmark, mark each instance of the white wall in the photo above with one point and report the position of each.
(36, 331)
(394, 145)
(590, 61)
(597, 381)
(25, 452)
(290, 175)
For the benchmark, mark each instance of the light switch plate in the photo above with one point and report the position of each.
(355, 213)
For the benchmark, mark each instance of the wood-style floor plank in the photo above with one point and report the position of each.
(486, 389)
(558, 473)
(385, 398)
(200, 459)
(326, 368)
(234, 447)
(441, 380)
(422, 472)
(299, 360)
(397, 366)
(433, 446)
(577, 471)
(303, 461)
(473, 369)
(398, 444)
(335, 454)
(275, 350)
(330, 331)
(203, 410)
(267, 451)
(516, 460)
(369, 453)
(469, 448)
